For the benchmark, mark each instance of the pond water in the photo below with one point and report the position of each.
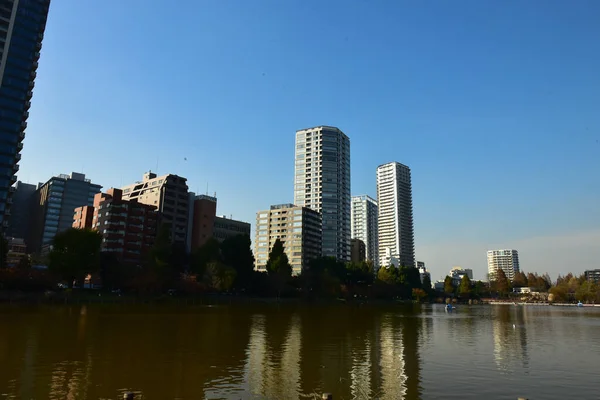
(266, 351)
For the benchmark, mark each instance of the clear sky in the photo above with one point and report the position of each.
(494, 105)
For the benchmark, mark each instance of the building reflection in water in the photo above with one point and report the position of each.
(510, 338)
(351, 353)
(273, 356)
(265, 353)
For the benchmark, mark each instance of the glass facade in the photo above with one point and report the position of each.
(22, 24)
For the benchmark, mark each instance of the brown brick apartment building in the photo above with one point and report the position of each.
(128, 228)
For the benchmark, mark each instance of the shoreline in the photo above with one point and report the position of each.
(510, 303)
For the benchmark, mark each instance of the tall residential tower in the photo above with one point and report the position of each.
(322, 183)
(396, 232)
(22, 25)
(364, 225)
(506, 260)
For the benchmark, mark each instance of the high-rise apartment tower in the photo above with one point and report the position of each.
(322, 183)
(394, 199)
(22, 25)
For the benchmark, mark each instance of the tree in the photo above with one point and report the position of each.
(209, 252)
(465, 287)
(278, 267)
(24, 263)
(236, 252)
(75, 253)
(480, 289)
(166, 261)
(388, 275)
(278, 262)
(220, 276)
(412, 277)
(586, 291)
(448, 286)
(359, 273)
(532, 280)
(520, 280)
(427, 283)
(3, 251)
(501, 284)
(113, 273)
(418, 294)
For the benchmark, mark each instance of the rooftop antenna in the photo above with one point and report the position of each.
(207, 188)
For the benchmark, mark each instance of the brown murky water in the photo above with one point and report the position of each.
(293, 352)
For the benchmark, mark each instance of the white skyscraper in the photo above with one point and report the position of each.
(394, 199)
(322, 182)
(364, 225)
(507, 260)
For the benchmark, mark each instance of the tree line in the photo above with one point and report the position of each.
(228, 266)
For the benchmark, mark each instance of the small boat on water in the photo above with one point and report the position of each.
(450, 308)
(580, 304)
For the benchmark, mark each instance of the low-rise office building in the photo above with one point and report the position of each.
(299, 230)
(592, 275)
(224, 228)
(53, 205)
(16, 251)
(203, 213)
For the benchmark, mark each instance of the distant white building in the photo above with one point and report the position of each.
(423, 271)
(459, 272)
(364, 225)
(389, 259)
(506, 260)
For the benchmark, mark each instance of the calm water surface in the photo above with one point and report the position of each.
(291, 352)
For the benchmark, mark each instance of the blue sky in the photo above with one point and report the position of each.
(493, 104)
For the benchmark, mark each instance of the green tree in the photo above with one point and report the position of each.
(3, 251)
(166, 260)
(388, 275)
(113, 273)
(465, 287)
(220, 276)
(236, 252)
(278, 267)
(359, 273)
(587, 291)
(209, 252)
(427, 284)
(412, 277)
(448, 286)
(520, 280)
(500, 283)
(278, 261)
(75, 253)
